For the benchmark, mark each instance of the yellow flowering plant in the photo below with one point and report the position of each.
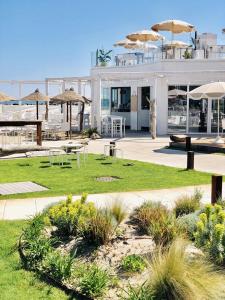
(70, 217)
(210, 233)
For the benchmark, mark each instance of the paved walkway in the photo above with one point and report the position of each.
(148, 150)
(25, 208)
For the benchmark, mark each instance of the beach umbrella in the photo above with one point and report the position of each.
(145, 36)
(214, 90)
(69, 97)
(124, 42)
(174, 26)
(176, 92)
(176, 44)
(37, 96)
(128, 44)
(4, 97)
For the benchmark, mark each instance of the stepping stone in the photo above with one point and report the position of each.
(20, 187)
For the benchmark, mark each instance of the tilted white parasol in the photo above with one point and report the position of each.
(214, 90)
(174, 26)
(145, 36)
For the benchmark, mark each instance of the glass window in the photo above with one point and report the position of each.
(145, 94)
(120, 99)
(177, 109)
(197, 114)
(105, 98)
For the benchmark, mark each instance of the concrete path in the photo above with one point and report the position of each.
(25, 208)
(148, 150)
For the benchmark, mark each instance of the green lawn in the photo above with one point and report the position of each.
(61, 181)
(16, 283)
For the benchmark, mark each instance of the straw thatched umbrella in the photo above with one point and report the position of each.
(37, 96)
(69, 97)
(4, 97)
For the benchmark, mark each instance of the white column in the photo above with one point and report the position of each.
(161, 98)
(96, 103)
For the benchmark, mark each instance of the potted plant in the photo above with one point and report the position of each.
(104, 57)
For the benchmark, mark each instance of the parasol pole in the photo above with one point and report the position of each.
(70, 119)
(218, 111)
(37, 113)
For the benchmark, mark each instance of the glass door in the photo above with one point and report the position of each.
(214, 116)
(198, 112)
(177, 109)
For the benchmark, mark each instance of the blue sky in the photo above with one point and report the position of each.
(50, 38)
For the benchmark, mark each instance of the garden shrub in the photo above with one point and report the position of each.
(188, 204)
(155, 220)
(187, 224)
(34, 244)
(133, 263)
(210, 233)
(118, 211)
(138, 293)
(70, 217)
(100, 227)
(174, 275)
(94, 281)
(58, 266)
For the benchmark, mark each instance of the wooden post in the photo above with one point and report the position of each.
(111, 148)
(217, 184)
(190, 160)
(188, 143)
(37, 113)
(39, 137)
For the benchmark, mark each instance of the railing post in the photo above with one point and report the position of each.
(190, 160)
(217, 184)
(111, 148)
(188, 143)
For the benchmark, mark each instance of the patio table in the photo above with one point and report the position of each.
(24, 123)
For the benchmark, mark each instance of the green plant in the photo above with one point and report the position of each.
(88, 132)
(34, 243)
(210, 233)
(104, 56)
(133, 263)
(155, 220)
(70, 217)
(118, 211)
(138, 293)
(187, 224)
(175, 275)
(100, 227)
(187, 54)
(187, 204)
(58, 266)
(94, 281)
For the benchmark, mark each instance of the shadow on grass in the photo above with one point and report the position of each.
(44, 167)
(101, 158)
(185, 170)
(106, 163)
(24, 165)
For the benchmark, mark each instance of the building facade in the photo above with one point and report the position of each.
(123, 89)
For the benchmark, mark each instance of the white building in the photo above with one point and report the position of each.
(121, 88)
